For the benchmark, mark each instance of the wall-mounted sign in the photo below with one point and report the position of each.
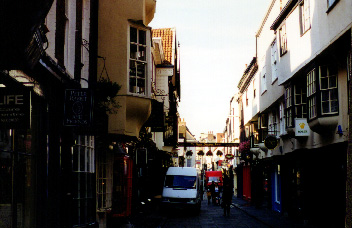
(14, 108)
(78, 107)
(270, 142)
(229, 156)
(301, 127)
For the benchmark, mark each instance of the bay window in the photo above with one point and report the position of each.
(296, 102)
(300, 100)
(273, 127)
(328, 89)
(282, 118)
(324, 90)
(137, 61)
(312, 94)
(289, 107)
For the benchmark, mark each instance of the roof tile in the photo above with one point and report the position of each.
(166, 35)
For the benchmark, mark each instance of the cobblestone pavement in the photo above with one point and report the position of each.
(210, 216)
(243, 215)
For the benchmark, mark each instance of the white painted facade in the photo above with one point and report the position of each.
(70, 34)
(326, 27)
(302, 48)
(162, 85)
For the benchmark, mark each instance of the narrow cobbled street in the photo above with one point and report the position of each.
(243, 215)
(209, 216)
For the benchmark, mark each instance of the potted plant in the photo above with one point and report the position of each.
(209, 153)
(200, 153)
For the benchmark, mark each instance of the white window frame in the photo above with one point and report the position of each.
(282, 118)
(283, 39)
(289, 107)
(83, 161)
(273, 124)
(331, 78)
(305, 16)
(254, 90)
(312, 95)
(273, 49)
(300, 91)
(263, 75)
(104, 180)
(140, 59)
(84, 151)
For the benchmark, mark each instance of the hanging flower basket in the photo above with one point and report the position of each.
(219, 153)
(105, 95)
(200, 153)
(244, 146)
(189, 153)
(209, 153)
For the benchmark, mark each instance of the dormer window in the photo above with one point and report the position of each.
(137, 61)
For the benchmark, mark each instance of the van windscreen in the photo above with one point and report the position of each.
(175, 181)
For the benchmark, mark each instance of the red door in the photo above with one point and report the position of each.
(247, 182)
(122, 186)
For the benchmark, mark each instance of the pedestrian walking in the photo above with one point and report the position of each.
(216, 194)
(211, 190)
(227, 195)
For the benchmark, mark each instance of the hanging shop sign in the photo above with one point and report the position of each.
(301, 127)
(270, 142)
(14, 108)
(229, 156)
(78, 107)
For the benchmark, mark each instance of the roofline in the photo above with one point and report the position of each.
(265, 18)
(290, 5)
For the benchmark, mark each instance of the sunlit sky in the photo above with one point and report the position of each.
(217, 39)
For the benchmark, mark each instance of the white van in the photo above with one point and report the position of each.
(182, 188)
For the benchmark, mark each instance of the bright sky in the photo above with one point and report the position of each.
(217, 39)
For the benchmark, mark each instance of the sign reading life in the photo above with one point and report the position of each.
(14, 108)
